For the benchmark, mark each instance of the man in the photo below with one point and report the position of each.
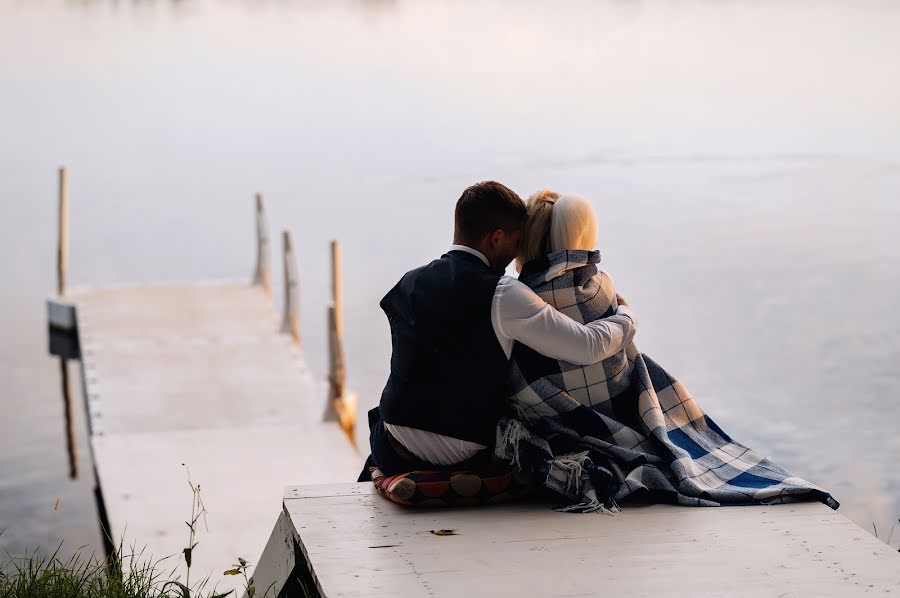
(453, 325)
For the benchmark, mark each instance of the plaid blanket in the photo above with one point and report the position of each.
(600, 433)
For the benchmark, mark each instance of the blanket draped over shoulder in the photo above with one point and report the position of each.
(599, 433)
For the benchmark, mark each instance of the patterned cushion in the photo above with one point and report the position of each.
(451, 488)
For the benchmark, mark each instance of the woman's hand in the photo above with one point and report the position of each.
(621, 300)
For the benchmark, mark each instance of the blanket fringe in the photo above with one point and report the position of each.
(507, 445)
(574, 465)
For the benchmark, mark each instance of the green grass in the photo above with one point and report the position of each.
(122, 575)
(129, 574)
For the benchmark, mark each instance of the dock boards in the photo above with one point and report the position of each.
(198, 374)
(358, 544)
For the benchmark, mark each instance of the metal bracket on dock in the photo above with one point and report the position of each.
(63, 329)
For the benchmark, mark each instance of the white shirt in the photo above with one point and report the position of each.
(519, 314)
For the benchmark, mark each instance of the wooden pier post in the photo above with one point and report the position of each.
(261, 275)
(62, 269)
(337, 295)
(341, 404)
(71, 447)
(291, 321)
(337, 376)
(62, 255)
(336, 370)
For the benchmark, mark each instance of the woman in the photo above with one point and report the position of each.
(599, 433)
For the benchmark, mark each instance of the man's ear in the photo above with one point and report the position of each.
(496, 238)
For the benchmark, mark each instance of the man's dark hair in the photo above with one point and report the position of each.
(484, 207)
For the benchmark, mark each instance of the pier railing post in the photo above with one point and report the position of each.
(261, 275)
(62, 269)
(291, 321)
(336, 290)
(337, 377)
(62, 256)
(71, 447)
(341, 404)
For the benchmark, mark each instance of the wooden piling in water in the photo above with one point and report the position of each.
(62, 268)
(336, 371)
(291, 321)
(62, 255)
(261, 275)
(341, 404)
(337, 295)
(71, 448)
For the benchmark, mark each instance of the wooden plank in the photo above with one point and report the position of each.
(241, 475)
(278, 559)
(359, 544)
(189, 356)
(198, 374)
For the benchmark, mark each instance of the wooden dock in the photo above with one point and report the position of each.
(357, 544)
(202, 379)
(199, 375)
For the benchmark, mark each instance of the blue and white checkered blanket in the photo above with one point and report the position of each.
(599, 433)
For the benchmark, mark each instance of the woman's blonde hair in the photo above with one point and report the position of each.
(556, 222)
(536, 234)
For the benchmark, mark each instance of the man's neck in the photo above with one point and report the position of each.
(457, 246)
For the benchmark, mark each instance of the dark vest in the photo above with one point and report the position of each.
(448, 371)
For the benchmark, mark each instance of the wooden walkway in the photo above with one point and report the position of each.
(199, 374)
(359, 544)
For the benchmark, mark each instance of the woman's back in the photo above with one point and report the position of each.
(575, 426)
(570, 281)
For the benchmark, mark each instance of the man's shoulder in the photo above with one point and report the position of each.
(449, 277)
(435, 263)
(454, 265)
(432, 269)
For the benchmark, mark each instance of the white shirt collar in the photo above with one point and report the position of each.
(474, 252)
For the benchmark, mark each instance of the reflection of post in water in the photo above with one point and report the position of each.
(70, 425)
(62, 341)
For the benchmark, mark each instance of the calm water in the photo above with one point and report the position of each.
(743, 157)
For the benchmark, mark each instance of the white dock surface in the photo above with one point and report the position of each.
(359, 544)
(198, 374)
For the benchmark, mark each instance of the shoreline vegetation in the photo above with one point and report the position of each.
(121, 575)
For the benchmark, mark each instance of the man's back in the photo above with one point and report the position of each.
(447, 368)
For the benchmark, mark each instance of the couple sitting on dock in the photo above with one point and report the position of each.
(540, 375)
